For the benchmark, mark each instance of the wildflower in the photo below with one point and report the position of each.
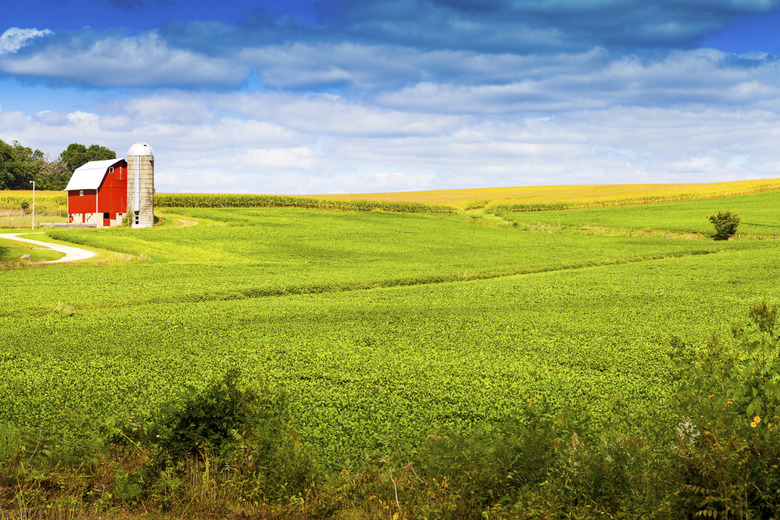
(755, 421)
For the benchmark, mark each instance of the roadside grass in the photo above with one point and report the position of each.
(50, 206)
(11, 253)
(103, 256)
(20, 223)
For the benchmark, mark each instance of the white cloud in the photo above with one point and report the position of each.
(704, 77)
(362, 66)
(688, 117)
(50, 118)
(276, 159)
(275, 155)
(328, 114)
(15, 38)
(138, 61)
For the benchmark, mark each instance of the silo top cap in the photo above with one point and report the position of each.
(140, 149)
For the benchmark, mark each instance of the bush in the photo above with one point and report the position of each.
(728, 447)
(725, 222)
(228, 409)
(491, 465)
(234, 428)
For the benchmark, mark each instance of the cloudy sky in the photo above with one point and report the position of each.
(344, 96)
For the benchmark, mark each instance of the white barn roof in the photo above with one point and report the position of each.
(90, 176)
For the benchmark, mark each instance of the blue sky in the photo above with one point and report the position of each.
(336, 96)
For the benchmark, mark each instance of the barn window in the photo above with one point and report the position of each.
(106, 215)
(81, 193)
(111, 169)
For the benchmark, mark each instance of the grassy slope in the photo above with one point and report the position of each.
(286, 251)
(373, 371)
(758, 213)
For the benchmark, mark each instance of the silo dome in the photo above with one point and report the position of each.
(140, 149)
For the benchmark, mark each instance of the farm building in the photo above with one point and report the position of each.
(97, 193)
(140, 185)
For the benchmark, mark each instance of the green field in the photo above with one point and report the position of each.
(758, 215)
(393, 325)
(383, 327)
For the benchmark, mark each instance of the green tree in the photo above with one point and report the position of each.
(77, 155)
(725, 222)
(6, 166)
(54, 175)
(18, 166)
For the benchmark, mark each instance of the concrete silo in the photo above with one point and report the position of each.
(140, 185)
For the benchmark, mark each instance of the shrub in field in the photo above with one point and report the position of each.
(234, 428)
(728, 447)
(725, 222)
(209, 419)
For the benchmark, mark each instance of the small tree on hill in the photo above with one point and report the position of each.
(725, 222)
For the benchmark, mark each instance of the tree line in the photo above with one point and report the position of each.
(20, 165)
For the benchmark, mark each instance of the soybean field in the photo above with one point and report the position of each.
(382, 326)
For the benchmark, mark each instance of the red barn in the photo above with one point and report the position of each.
(97, 193)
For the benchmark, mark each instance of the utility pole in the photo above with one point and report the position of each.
(33, 210)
